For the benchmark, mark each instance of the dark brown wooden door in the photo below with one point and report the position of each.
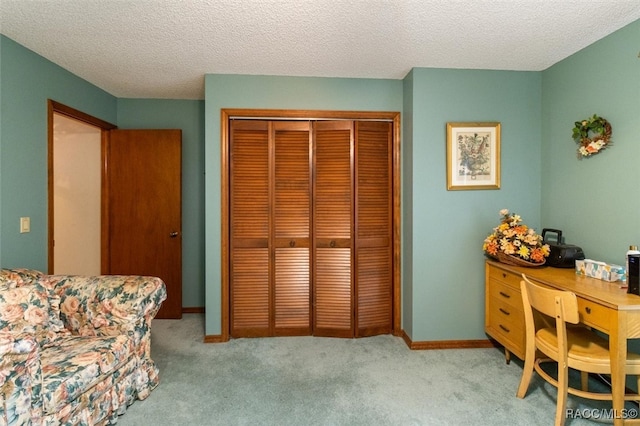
(250, 292)
(145, 209)
(270, 228)
(291, 218)
(333, 229)
(374, 215)
(310, 228)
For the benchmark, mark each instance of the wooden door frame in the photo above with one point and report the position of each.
(226, 114)
(54, 107)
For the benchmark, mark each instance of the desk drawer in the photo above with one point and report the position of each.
(508, 278)
(594, 315)
(506, 293)
(506, 325)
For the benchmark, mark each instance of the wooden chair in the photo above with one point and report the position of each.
(570, 346)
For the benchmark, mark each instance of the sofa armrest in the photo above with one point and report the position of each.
(20, 379)
(107, 304)
(18, 276)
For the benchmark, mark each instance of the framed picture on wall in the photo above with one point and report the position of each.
(473, 156)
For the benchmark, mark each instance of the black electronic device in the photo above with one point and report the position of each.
(633, 284)
(561, 255)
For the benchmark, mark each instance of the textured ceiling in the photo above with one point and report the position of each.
(163, 48)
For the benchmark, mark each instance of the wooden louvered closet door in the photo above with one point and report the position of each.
(374, 249)
(353, 269)
(311, 244)
(333, 225)
(250, 292)
(292, 228)
(270, 228)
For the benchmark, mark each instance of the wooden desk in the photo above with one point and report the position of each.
(602, 305)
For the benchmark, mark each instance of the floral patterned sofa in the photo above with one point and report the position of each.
(74, 350)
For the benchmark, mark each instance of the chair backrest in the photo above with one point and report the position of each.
(557, 304)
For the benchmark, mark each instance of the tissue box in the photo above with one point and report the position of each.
(600, 270)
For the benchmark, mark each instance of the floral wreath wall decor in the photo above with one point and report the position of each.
(593, 135)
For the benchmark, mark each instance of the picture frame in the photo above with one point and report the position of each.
(473, 156)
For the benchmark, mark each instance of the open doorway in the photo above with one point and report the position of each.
(76, 144)
(76, 196)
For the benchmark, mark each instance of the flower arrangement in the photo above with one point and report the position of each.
(516, 239)
(593, 135)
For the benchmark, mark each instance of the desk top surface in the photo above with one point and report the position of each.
(598, 291)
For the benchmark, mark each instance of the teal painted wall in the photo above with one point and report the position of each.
(187, 115)
(407, 204)
(446, 281)
(27, 80)
(595, 201)
(270, 92)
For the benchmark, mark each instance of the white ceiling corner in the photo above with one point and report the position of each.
(163, 48)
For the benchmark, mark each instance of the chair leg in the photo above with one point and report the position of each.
(584, 380)
(527, 373)
(563, 384)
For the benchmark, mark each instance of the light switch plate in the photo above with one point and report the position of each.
(25, 225)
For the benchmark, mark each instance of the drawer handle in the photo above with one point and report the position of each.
(587, 310)
(505, 328)
(504, 275)
(505, 311)
(503, 294)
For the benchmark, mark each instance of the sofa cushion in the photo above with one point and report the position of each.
(74, 364)
(30, 308)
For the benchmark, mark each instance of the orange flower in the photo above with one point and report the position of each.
(537, 255)
(492, 248)
(521, 229)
